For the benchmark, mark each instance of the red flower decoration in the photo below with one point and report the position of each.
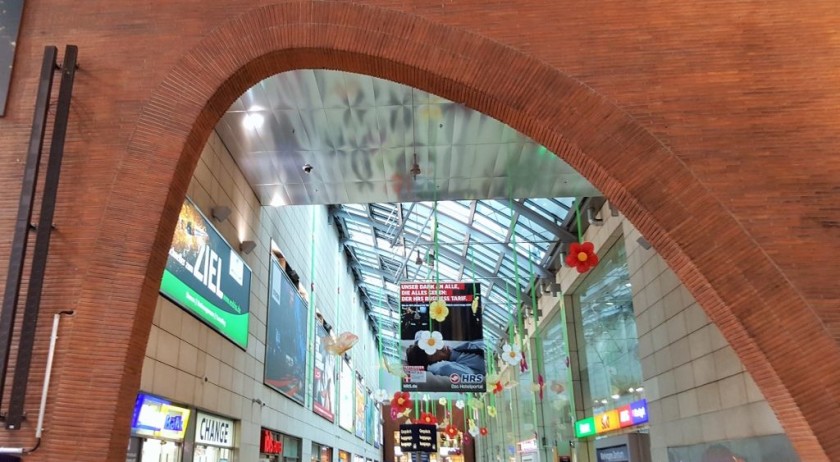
(467, 439)
(523, 365)
(451, 431)
(582, 256)
(394, 413)
(428, 418)
(498, 388)
(401, 401)
(541, 383)
(483, 431)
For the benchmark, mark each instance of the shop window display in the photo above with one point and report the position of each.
(610, 361)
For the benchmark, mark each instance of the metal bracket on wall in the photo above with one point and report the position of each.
(38, 266)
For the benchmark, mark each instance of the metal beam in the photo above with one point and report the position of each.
(562, 233)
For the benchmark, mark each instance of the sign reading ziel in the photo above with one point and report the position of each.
(206, 277)
(418, 438)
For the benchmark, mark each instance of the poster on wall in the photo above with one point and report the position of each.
(369, 428)
(346, 397)
(11, 12)
(285, 340)
(442, 340)
(360, 409)
(377, 425)
(323, 384)
(205, 276)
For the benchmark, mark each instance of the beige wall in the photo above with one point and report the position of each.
(188, 362)
(696, 387)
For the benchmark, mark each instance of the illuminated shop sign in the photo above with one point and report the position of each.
(213, 430)
(528, 445)
(157, 418)
(271, 442)
(635, 413)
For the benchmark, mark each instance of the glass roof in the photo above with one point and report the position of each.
(393, 243)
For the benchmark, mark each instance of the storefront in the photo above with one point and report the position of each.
(279, 447)
(343, 456)
(321, 453)
(157, 430)
(214, 440)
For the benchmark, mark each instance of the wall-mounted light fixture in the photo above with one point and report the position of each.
(220, 212)
(247, 247)
(644, 243)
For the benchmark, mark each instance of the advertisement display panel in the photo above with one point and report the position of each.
(369, 427)
(323, 384)
(442, 339)
(285, 340)
(346, 396)
(205, 276)
(360, 409)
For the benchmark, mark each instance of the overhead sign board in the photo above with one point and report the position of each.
(418, 438)
(158, 418)
(442, 339)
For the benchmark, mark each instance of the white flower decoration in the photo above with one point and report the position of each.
(430, 342)
(380, 396)
(459, 404)
(442, 401)
(512, 354)
(474, 431)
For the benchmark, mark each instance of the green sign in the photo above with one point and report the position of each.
(206, 277)
(585, 427)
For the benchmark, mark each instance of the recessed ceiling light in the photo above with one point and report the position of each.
(253, 121)
(616, 396)
(627, 285)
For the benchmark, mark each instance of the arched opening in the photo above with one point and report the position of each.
(630, 166)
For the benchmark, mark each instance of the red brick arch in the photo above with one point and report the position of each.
(732, 276)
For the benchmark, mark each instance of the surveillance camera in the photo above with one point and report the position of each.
(307, 168)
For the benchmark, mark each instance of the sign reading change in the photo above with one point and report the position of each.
(206, 277)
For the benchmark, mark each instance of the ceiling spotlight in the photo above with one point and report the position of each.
(640, 389)
(631, 390)
(616, 396)
(308, 168)
(415, 169)
(644, 243)
(603, 401)
(431, 258)
(419, 260)
(247, 247)
(253, 121)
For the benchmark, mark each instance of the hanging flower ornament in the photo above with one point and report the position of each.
(491, 411)
(401, 401)
(428, 418)
(380, 395)
(474, 431)
(442, 401)
(451, 431)
(483, 431)
(582, 256)
(494, 383)
(476, 403)
(394, 368)
(475, 304)
(340, 345)
(438, 310)
(467, 439)
(557, 387)
(430, 342)
(512, 354)
(523, 365)
(459, 404)
(394, 414)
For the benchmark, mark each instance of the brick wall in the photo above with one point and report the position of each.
(711, 126)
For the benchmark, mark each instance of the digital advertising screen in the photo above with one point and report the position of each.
(369, 427)
(442, 338)
(285, 340)
(205, 276)
(323, 384)
(347, 394)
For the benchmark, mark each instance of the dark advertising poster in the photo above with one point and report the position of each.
(323, 385)
(346, 397)
(442, 338)
(418, 438)
(206, 277)
(285, 341)
(360, 409)
(11, 12)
